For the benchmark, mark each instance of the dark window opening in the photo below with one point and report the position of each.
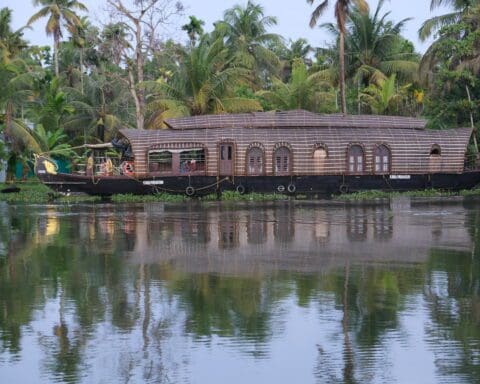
(160, 161)
(435, 150)
(192, 160)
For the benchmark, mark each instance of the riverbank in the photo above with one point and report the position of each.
(38, 193)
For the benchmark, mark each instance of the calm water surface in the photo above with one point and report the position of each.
(274, 293)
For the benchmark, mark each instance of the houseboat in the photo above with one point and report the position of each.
(273, 152)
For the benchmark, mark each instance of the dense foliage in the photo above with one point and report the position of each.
(122, 74)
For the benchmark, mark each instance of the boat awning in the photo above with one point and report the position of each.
(99, 146)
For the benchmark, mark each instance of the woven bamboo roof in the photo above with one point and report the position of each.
(294, 119)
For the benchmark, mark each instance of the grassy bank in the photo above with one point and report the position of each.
(372, 195)
(37, 193)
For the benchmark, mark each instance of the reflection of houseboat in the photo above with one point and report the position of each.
(289, 152)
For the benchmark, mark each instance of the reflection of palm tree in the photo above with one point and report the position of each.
(454, 313)
(348, 369)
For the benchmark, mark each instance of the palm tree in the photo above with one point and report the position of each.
(114, 41)
(53, 107)
(194, 28)
(11, 42)
(376, 48)
(298, 49)
(444, 51)
(202, 83)
(303, 91)
(342, 10)
(461, 8)
(57, 11)
(383, 96)
(16, 84)
(100, 103)
(52, 141)
(245, 33)
(79, 39)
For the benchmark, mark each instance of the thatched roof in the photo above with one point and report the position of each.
(293, 119)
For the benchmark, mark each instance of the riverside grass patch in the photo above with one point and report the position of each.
(38, 193)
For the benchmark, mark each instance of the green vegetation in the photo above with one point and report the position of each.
(372, 195)
(37, 193)
(99, 78)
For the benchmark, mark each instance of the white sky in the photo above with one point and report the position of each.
(293, 17)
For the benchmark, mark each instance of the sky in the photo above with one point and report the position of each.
(293, 17)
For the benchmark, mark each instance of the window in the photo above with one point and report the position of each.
(159, 161)
(192, 160)
(382, 159)
(435, 150)
(355, 159)
(226, 152)
(319, 156)
(255, 161)
(282, 161)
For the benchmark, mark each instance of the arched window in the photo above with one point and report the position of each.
(435, 150)
(282, 161)
(319, 156)
(355, 159)
(435, 159)
(381, 155)
(254, 161)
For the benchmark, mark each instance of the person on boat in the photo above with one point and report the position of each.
(89, 167)
(193, 165)
(184, 167)
(107, 167)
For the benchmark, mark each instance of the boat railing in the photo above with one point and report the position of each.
(99, 168)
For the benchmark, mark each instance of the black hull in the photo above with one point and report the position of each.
(311, 185)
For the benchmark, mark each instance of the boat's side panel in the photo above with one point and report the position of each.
(201, 185)
(410, 148)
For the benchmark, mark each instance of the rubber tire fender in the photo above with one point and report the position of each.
(240, 189)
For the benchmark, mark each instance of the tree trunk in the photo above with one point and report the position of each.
(472, 124)
(139, 58)
(342, 73)
(81, 70)
(56, 43)
(137, 98)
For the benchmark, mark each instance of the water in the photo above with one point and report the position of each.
(259, 293)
